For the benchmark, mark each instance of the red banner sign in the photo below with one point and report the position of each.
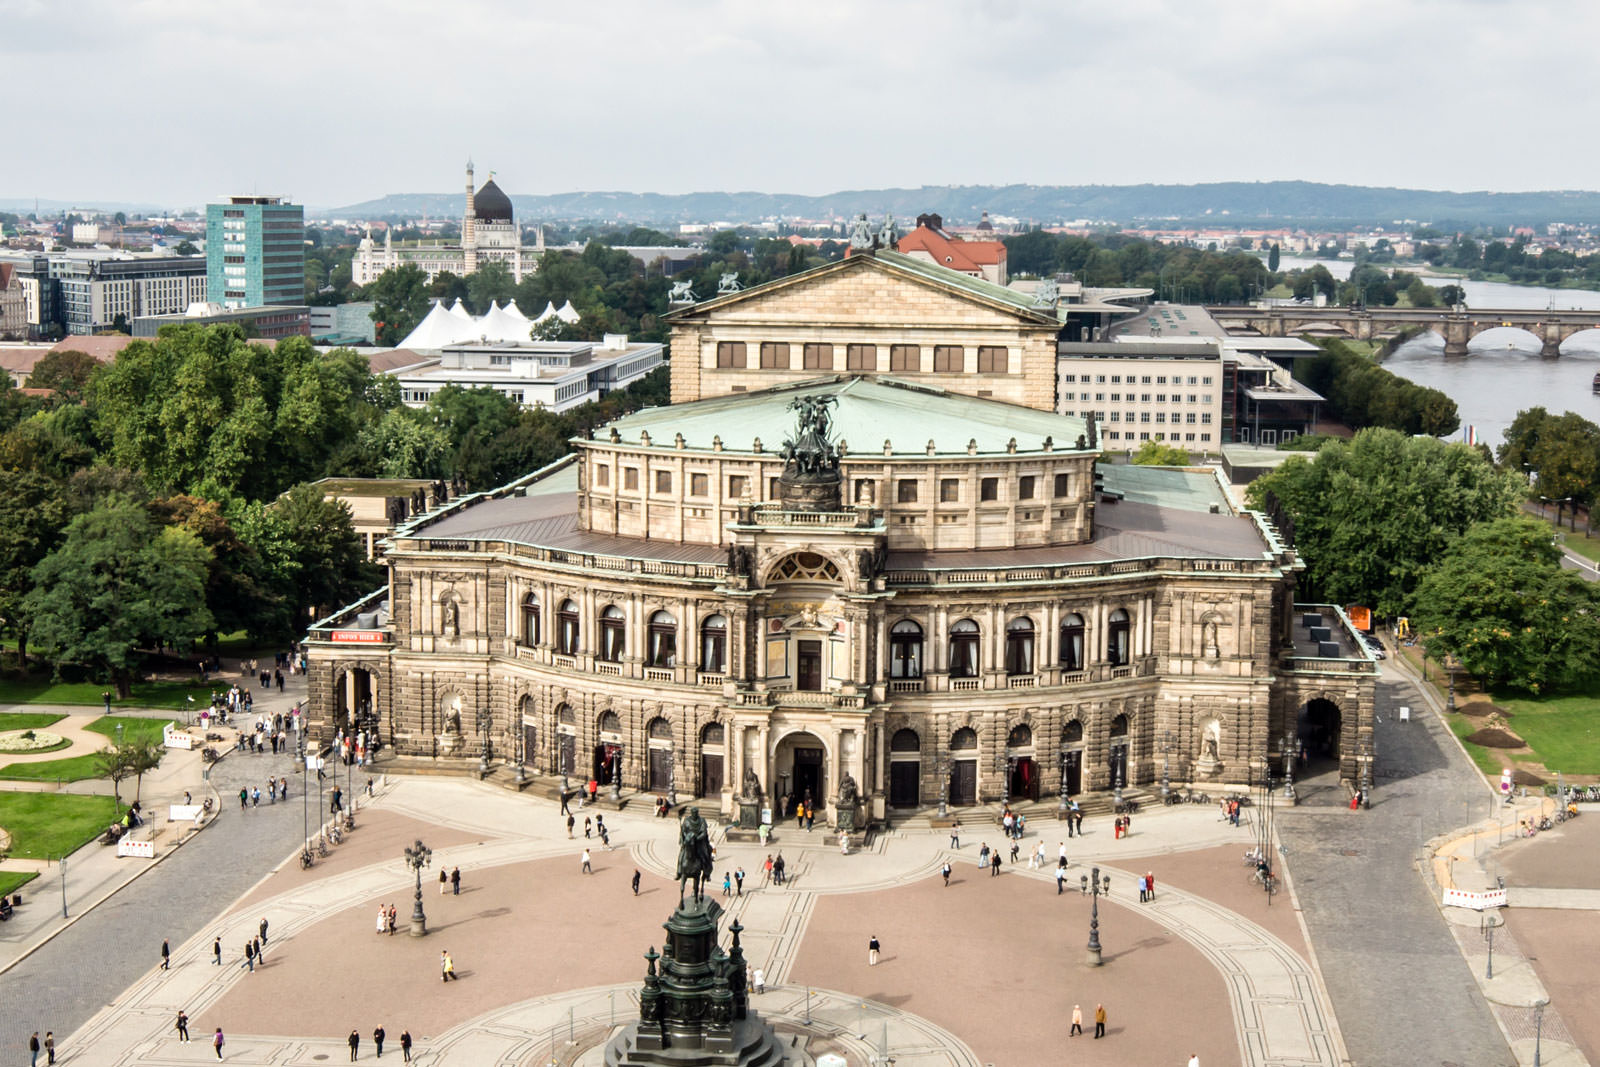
(360, 637)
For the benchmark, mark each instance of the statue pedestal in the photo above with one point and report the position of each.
(749, 814)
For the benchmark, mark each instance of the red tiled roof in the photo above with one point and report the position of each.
(965, 256)
(104, 348)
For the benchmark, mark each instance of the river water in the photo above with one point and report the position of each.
(1503, 372)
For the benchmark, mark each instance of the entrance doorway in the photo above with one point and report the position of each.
(607, 763)
(1023, 773)
(1319, 728)
(964, 782)
(802, 769)
(1117, 757)
(711, 759)
(1074, 763)
(905, 769)
(808, 666)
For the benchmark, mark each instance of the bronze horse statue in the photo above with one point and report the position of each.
(694, 853)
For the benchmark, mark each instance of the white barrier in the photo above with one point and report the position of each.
(184, 812)
(145, 850)
(1461, 898)
(173, 737)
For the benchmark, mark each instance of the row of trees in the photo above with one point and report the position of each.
(1558, 454)
(1175, 272)
(1418, 527)
(1361, 393)
(165, 499)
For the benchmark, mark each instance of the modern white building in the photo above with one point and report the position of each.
(556, 375)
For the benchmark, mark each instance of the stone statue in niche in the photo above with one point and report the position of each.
(1210, 743)
(1208, 639)
(452, 618)
(752, 784)
(847, 791)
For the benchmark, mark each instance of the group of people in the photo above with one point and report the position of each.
(378, 1038)
(1122, 826)
(277, 789)
(387, 916)
(1099, 1021)
(1230, 810)
(451, 880)
(773, 870)
(802, 808)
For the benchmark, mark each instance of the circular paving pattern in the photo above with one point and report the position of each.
(29, 741)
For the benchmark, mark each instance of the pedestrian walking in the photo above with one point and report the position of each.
(444, 881)
(33, 1049)
(182, 1027)
(216, 1042)
(50, 1046)
(1061, 879)
(244, 799)
(405, 1045)
(166, 956)
(586, 869)
(383, 919)
(983, 855)
(377, 1040)
(994, 864)
(758, 981)
(777, 869)
(263, 930)
(738, 881)
(250, 957)
(727, 885)
(636, 881)
(1150, 884)
(872, 951)
(447, 967)
(955, 834)
(455, 881)
(588, 827)
(1016, 850)
(354, 1041)
(565, 796)
(766, 869)
(1099, 1021)
(255, 797)
(945, 870)
(216, 952)
(393, 916)
(1194, 1059)
(1077, 1022)
(261, 953)
(1143, 892)
(571, 821)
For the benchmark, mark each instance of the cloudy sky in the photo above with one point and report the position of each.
(333, 101)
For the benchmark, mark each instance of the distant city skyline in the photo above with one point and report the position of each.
(180, 102)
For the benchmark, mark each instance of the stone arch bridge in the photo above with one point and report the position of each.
(1456, 326)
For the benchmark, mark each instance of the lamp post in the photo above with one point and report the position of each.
(1288, 768)
(485, 720)
(1011, 769)
(1538, 1027)
(522, 756)
(1364, 753)
(1450, 700)
(944, 787)
(418, 856)
(672, 778)
(616, 775)
(1167, 745)
(305, 791)
(1096, 887)
(1118, 773)
(1062, 808)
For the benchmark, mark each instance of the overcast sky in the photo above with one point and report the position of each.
(332, 102)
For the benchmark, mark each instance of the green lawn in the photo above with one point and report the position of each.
(71, 769)
(133, 727)
(1461, 726)
(1564, 732)
(11, 881)
(172, 696)
(45, 825)
(29, 720)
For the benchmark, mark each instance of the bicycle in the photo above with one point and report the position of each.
(307, 861)
(335, 834)
(322, 846)
(1254, 857)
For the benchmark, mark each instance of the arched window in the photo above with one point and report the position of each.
(712, 734)
(613, 634)
(964, 649)
(610, 724)
(1119, 726)
(804, 567)
(567, 628)
(905, 650)
(965, 739)
(530, 620)
(661, 648)
(1019, 646)
(1072, 733)
(1117, 639)
(660, 729)
(905, 741)
(1021, 736)
(1072, 643)
(714, 644)
(564, 715)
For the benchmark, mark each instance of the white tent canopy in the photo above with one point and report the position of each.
(549, 312)
(568, 314)
(439, 328)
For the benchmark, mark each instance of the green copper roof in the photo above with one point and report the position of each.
(869, 412)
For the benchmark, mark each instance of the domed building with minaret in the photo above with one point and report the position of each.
(489, 234)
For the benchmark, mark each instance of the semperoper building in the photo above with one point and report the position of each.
(862, 557)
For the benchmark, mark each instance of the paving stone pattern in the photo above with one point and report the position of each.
(1402, 991)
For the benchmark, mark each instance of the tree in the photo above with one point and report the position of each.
(314, 560)
(185, 248)
(67, 373)
(1452, 296)
(235, 592)
(490, 283)
(114, 763)
(1274, 257)
(36, 507)
(1371, 514)
(1499, 601)
(1157, 454)
(400, 300)
(143, 756)
(117, 586)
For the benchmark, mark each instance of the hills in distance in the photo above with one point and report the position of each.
(1275, 203)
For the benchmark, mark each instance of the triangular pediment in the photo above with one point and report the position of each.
(882, 288)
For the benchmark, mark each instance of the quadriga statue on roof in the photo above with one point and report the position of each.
(810, 451)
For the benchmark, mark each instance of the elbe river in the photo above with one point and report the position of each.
(1503, 372)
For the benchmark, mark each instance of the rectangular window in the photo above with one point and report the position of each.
(730, 354)
(1161, 379)
(1116, 379)
(949, 491)
(1061, 485)
(772, 489)
(738, 486)
(1205, 437)
(1144, 416)
(861, 357)
(774, 355)
(818, 356)
(602, 475)
(1144, 398)
(906, 492)
(1145, 380)
(1116, 416)
(1116, 398)
(1190, 419)
(947, 359)
(698, 484)
(1193, 380)
(1100, 379)
(1069, 378)
(905, 358)
(1161, 416)
(1205, 418)
(1100, 397)
(989, 489)
(630, 478)
(1193, 399)
(1025, 487)
(663, 481)
(1206, 380)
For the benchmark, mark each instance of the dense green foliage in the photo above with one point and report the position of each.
(1560, 454)
(1361, 393)
(1159, 454)
(1500, 602)
(1371, 514)
(1173, 272)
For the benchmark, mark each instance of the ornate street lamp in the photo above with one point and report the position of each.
(1288, 769)
(1117, 775)
(522, 756)
(944, 787)
(616, 775)
(1364, 752)
(418, 856)
(1538, 1027)
(1097, 887)
(485, 721)
(1011, 768)
(1167, 744)
(672, 778)
(1062, 807)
